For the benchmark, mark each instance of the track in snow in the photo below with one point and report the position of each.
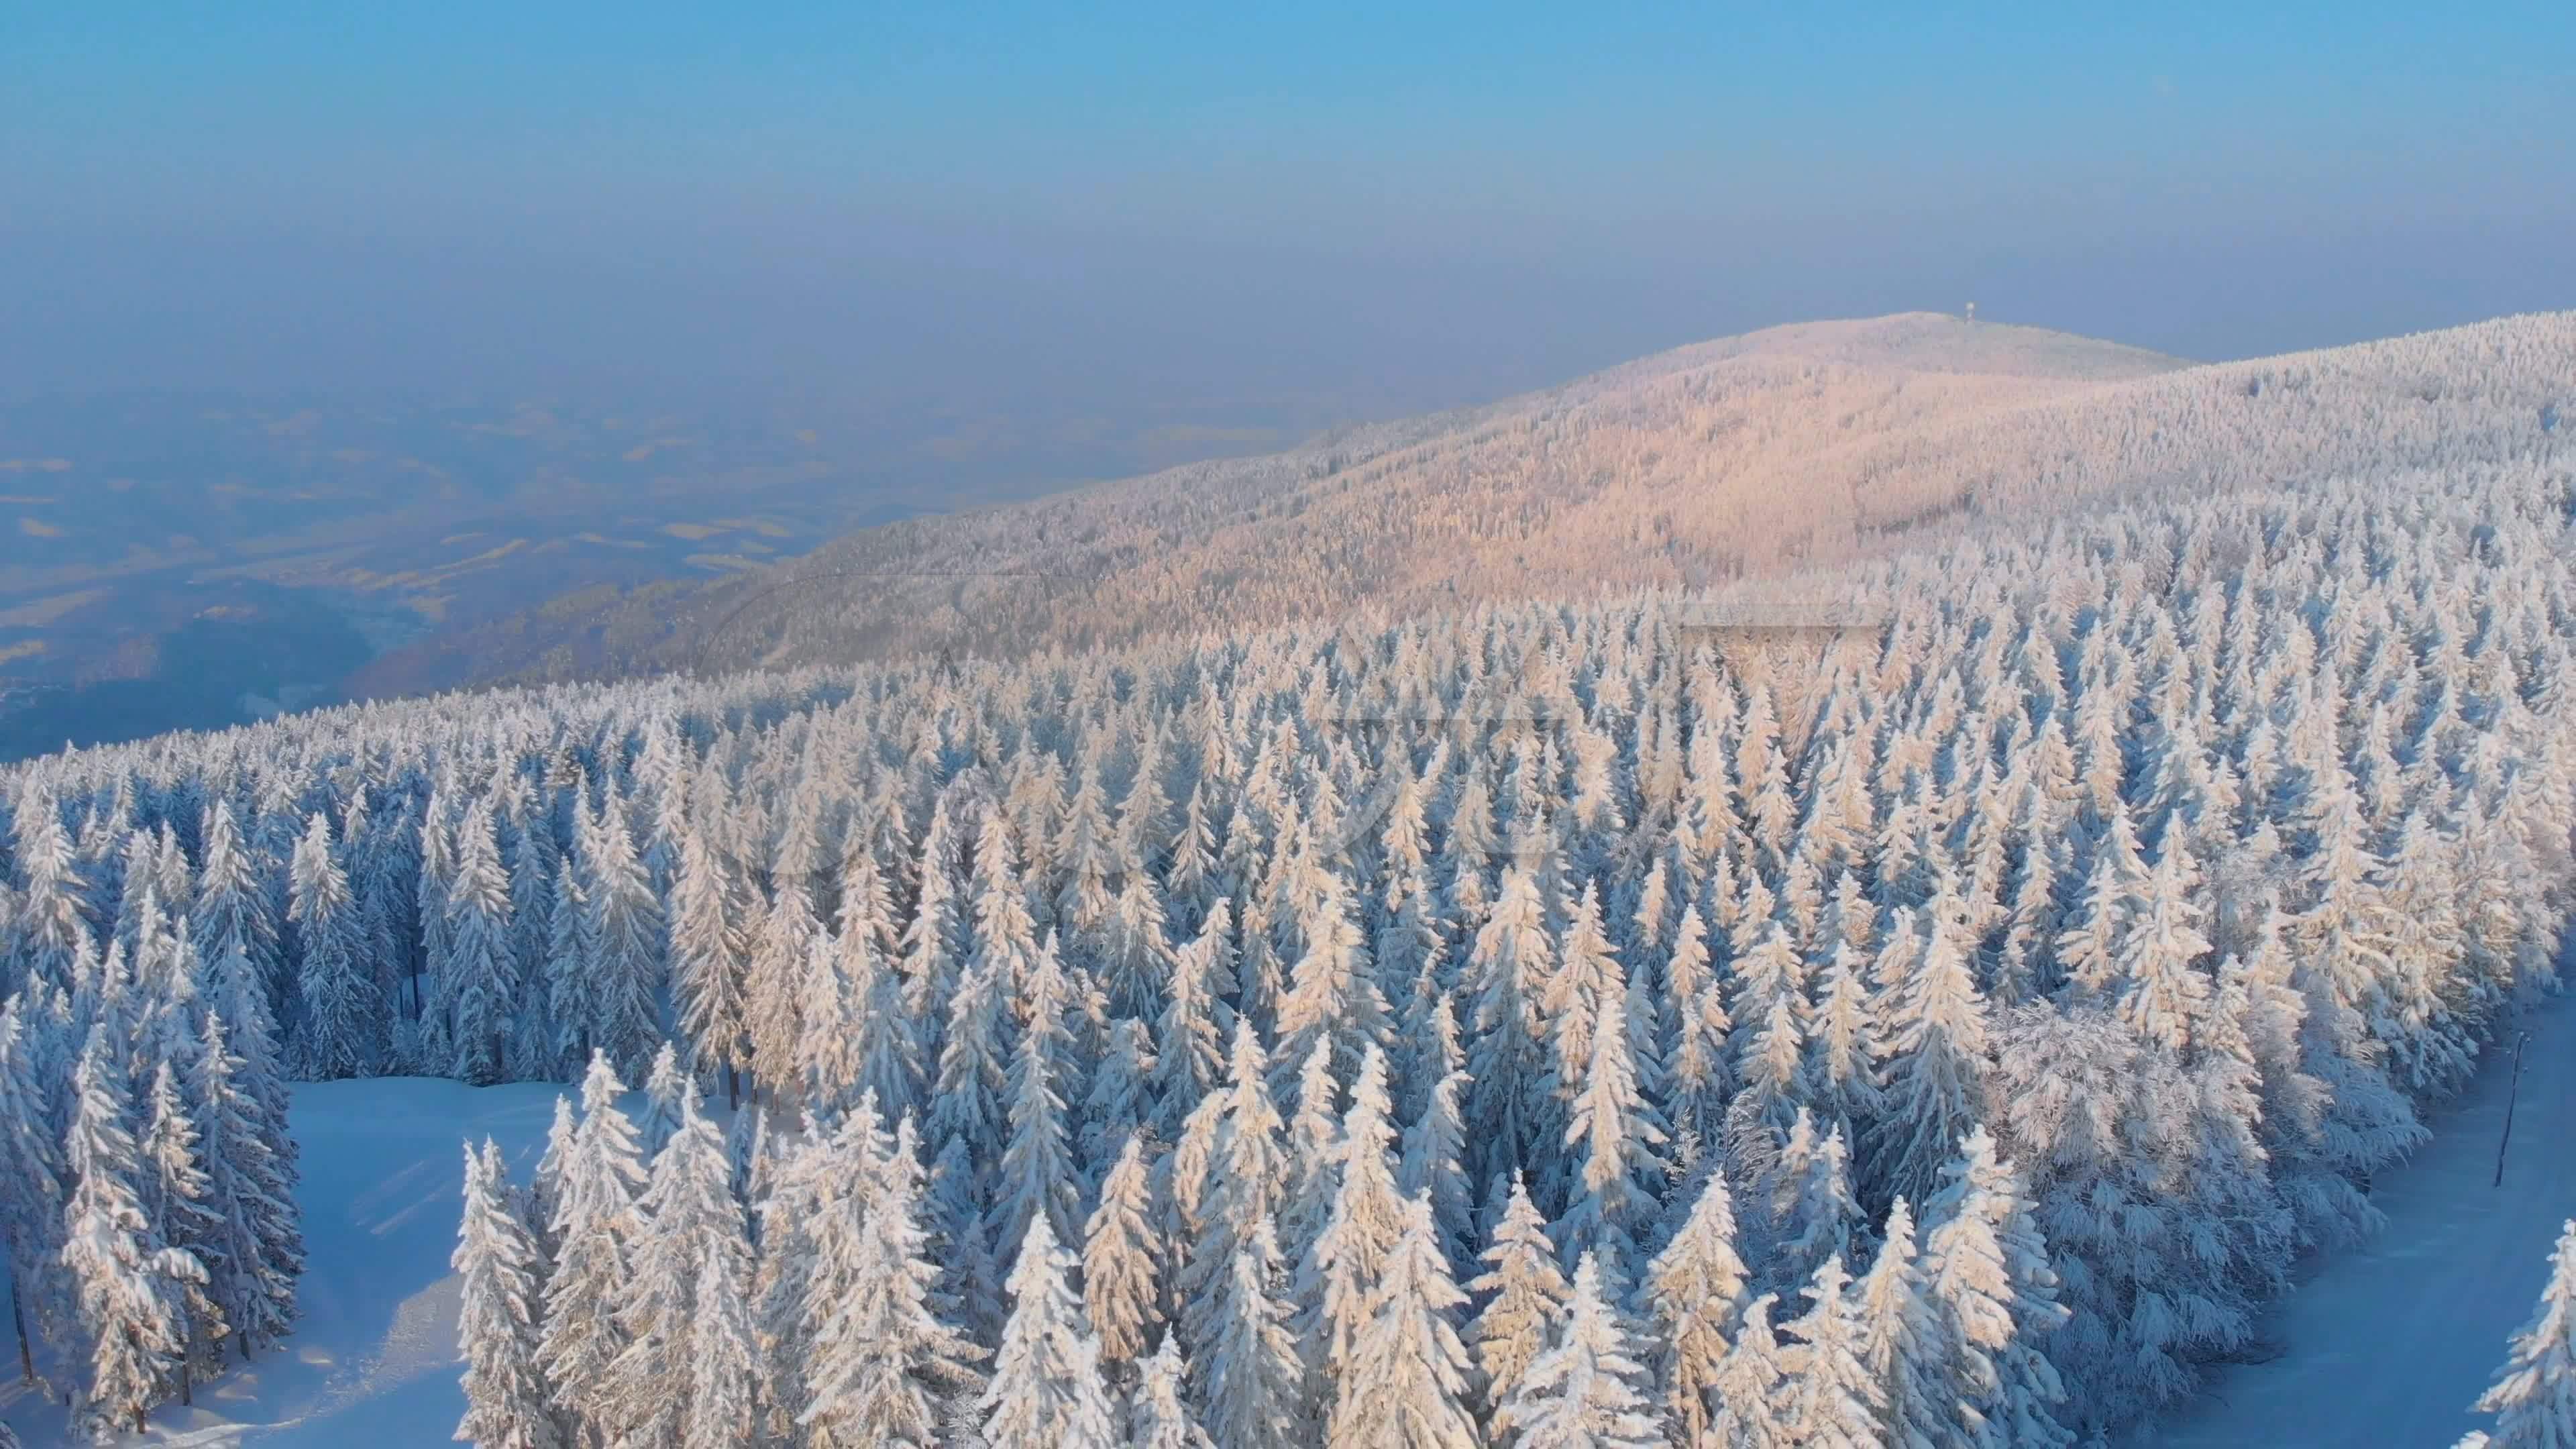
(373, 1360)
(2385, 1345)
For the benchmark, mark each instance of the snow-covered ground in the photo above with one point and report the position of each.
(2385, 1346)
(373, 1362)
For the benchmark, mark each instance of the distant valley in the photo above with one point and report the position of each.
(194, 562)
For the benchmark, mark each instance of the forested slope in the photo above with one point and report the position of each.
(1774, 451)
(1337, 521)
(1541, 1015)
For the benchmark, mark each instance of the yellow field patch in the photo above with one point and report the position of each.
(642, 451)
(489, 555)
(38, 528)
(37, 613)
(693, 532)
(35, 465)
(722, 562)
(23, 649)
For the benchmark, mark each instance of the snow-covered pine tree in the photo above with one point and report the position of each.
(1190, 1038)
(1402, 1384)
(1122, 1285)
(1508, 966)
(1249, 1374)
(888, 1051)
(478, 970)
(1832, 1400)
(1158, 1412)
(52, 915)
(724, 1361)
(689, 1214)
(708, 955)
(1586, 1390)
(594, 1230)
(1338, 1283)
(1225, 1187)
(1434, 1162)
(1046, 1391)
(1907, 1345)
(1036, 1172)
(1694, 1290)
(1986, 1268)
(1750, 1402)
(31, 1160)
(772, 993)
(881, 1357)
(1696, 1032)
(175, 1201)
(1936, 1074)
(1616, 1134)
(343, 1016)
(1523, 1293)
(2163, 990)
(507, 1405)
(129, 1287)
(624, 921)
(231, 912)
(2534, 1395)
(662, 1104)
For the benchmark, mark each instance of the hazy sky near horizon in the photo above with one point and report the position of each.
(1255, 214)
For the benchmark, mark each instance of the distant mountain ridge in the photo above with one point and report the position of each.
(1719, 460)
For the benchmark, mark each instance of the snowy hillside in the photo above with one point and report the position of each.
(1638, 1018)
(1792, 447)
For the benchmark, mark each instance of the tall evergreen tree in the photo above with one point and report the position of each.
(1158, 1416)
(343, 1016)
(1249, 1388)
(625, 923)
(507, 1405)
(175, 1192)
(1586, 1390)
(2534, 1396)
(595, 1229)
(1832, 1397)
(881, 1355)
(478, 969)
(1403, 1382)
(1046, 1391)
(688, 1214)
(1524, 1294)
(1122, 1285)
(1694, 1290)
(130, 1287)
(256, 1234)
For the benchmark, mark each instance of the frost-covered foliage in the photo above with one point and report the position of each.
(1600, 1026)
(1779, 449)
(147, 1180)
(2534, 1396)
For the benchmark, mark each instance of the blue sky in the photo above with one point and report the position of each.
(1249, 213)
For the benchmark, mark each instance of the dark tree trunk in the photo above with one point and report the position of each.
(18, 1319)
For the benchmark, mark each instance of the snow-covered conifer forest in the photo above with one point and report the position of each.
(1531, 1025)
